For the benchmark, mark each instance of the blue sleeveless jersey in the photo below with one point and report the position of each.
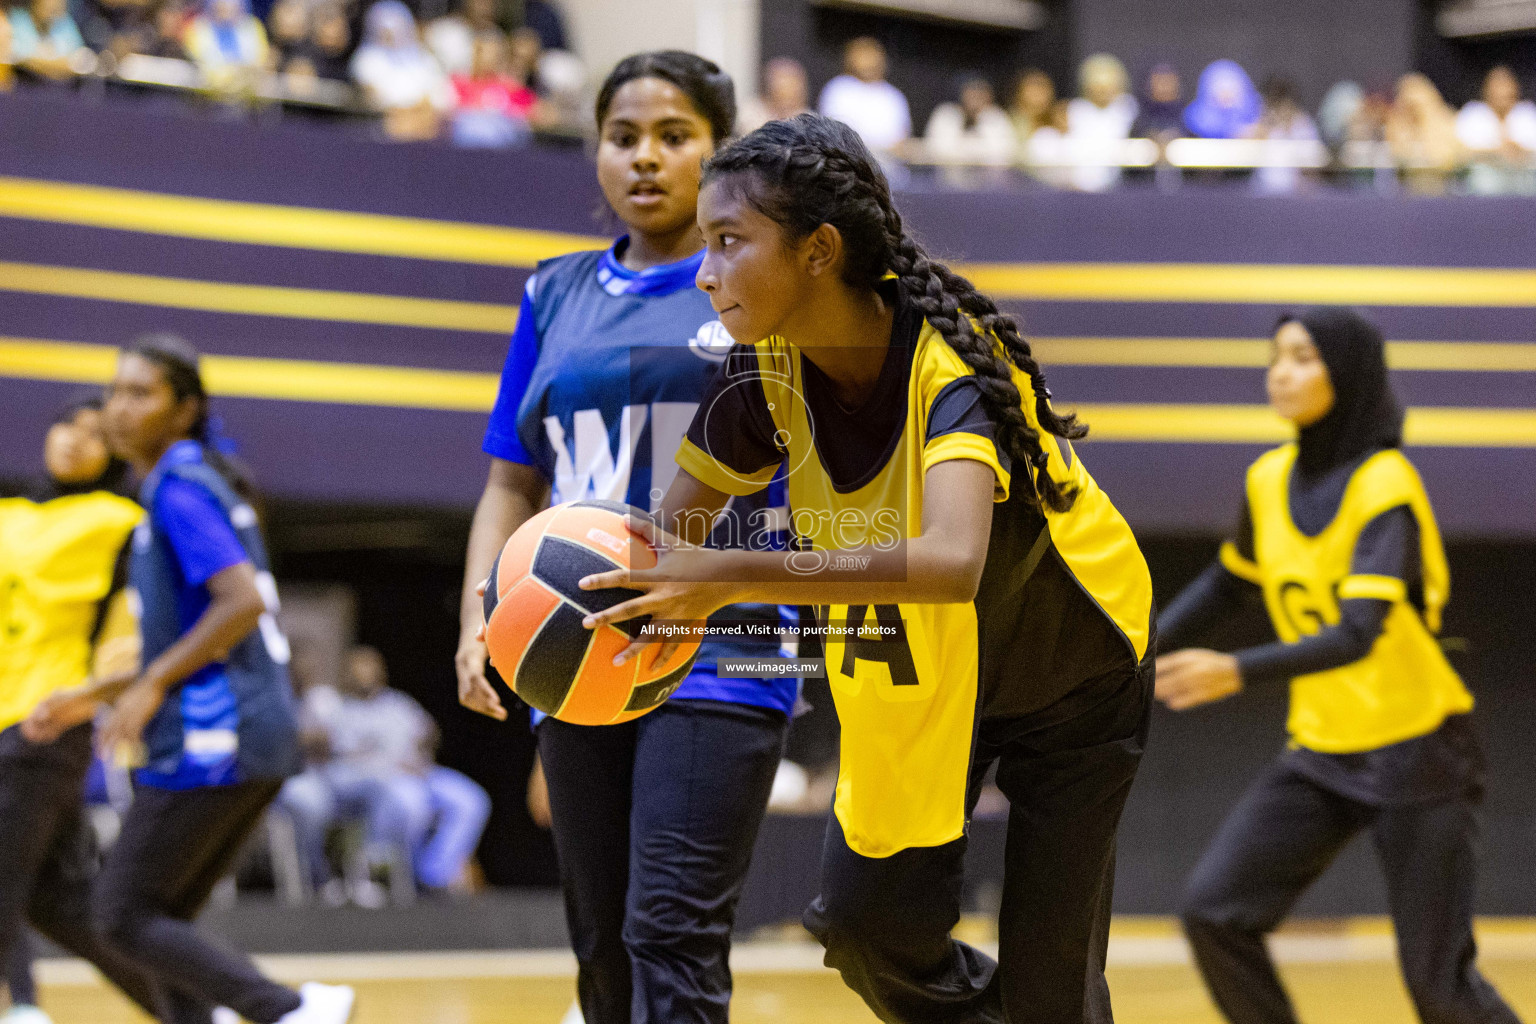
(605, 371)
(233, 720)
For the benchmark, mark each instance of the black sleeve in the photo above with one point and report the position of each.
(1207, 602)
(1201, 606)
(1388, 546)
(958, 409)
(733, 424)
(1244, 539)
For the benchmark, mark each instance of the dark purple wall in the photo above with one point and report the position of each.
(318, 452)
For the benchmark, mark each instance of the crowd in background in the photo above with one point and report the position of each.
(482, 73)
(490, 73)
(1486, 147)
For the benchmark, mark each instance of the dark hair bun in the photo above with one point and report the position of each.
(709, 89)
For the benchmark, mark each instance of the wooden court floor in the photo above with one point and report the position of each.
(1341, 974)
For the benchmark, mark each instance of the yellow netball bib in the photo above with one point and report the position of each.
(1404, 687)
(908, 705)
(56, 565)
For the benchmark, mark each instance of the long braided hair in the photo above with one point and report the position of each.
(808, 171)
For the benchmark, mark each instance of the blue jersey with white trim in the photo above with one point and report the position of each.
(605, 372)
(232, 720)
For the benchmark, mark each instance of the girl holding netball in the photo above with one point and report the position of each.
(654, 820)
(209, 717)
(1338, 534)
(983, 601)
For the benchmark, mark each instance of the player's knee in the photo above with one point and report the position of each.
(307, 800)
(1206, 916)
(117, 920)
(671, 920)
(842, 923)
(466, 800)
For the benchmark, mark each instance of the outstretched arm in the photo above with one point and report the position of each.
(1385, 559)
(234, 610)
(941, 565)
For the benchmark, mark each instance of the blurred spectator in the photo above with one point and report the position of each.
(492, 109)
(1034, 97)
(287, 32)
(786, 92)
(525, 52)
(46, 42)
(1283, 120)
(452, 39)
(1421, 130)
(7, 71)
(562, 87)
(1370, 122)
(861, 98)
(118, 26)
(1098, 121)
(974, 130)
(323, 53)
(398, 75)
(1499, 131)
(1162, 113)
(373, 745)
(545, 19)
(227, 41)
(1226, 105)
(1338, 113)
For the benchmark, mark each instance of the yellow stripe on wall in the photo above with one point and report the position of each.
(459, 242)
(305, 380)
(1427, 426)
(298, 380)
(1255, 283)
(257, 300)
(1253, 353)
(292, 226)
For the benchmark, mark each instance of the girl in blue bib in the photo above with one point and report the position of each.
(209, 718)
(612, 352)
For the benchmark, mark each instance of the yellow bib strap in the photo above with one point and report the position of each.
(1381, 588)
(1233, 561)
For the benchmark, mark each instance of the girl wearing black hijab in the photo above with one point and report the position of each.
(65, 617)
(1338, 534)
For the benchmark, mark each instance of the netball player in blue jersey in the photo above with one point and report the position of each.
(986, 602)
(654, 820)
(210, 716)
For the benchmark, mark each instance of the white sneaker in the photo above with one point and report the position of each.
(24, 1014)
(224, 1015)
(323, 1004)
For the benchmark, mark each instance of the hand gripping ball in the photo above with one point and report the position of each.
(534, 608)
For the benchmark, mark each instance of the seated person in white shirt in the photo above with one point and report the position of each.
(862, 99)
(1100, 120)
(1499, 132)
(378, 767)
(974, 130)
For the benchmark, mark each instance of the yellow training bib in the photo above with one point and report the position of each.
(56, 565)
(1405, 687)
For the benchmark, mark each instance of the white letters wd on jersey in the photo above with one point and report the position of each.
(590, 469)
